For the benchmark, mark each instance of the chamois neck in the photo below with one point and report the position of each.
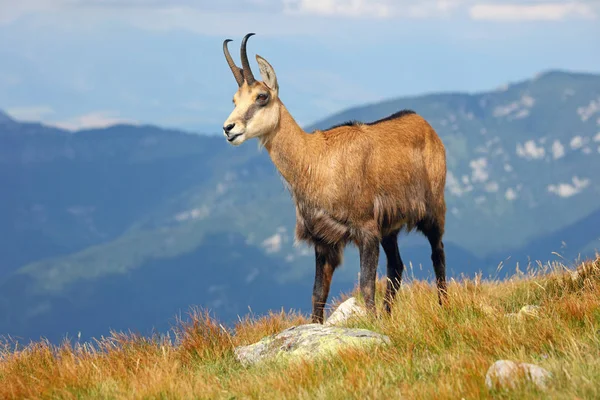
(290, 149)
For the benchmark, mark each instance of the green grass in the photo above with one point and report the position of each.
(434, 353)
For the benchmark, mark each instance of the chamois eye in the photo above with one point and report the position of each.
(262, 97)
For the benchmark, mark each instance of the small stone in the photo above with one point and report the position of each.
(348, 309)
(506, 373)
(307, 341)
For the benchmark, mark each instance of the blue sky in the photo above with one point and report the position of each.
(91, 63)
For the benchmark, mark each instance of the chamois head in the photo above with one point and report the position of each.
(256, 112)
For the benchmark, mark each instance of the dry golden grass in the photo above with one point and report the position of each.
(435, 353)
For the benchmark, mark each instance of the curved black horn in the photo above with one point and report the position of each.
(245, 64)
(237, 72)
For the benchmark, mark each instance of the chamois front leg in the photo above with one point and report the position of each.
(369, 258)
(327, 259)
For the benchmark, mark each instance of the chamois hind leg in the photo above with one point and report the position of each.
(369, 258)
(395, 268)
(327, 259)
(434, 231)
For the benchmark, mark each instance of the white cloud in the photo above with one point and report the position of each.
(510, 194)
(30, 113)
(549, 11)
(11, 9)
(569, 189)
(206, 17)
(98, 119)
(352, 8)
(201, 17)
(453, 184)
(517, 109)
(585, 112)
(597, 137)
(196, 213)
(479, 167)
(522, 114)
(272, 244)
(527, 101)
(373, 8)
(558, 150)
(576, 142)
(502, 111)
(529, 150)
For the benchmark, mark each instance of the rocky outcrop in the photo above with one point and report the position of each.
(307, 341)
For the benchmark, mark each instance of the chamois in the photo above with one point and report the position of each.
(359, 183)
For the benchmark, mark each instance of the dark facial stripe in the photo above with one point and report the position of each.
(250, 112)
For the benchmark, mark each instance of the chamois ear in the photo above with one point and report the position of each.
(267, 73)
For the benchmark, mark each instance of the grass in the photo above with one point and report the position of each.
(434, 352)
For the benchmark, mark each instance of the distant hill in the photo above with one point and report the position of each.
(520, 157)
(128, 225)
(4, 118)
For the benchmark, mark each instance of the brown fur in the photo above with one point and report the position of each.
(364, 180)
(359, 183)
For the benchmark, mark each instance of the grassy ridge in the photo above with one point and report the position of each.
(435, 353)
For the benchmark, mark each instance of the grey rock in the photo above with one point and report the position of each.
(345, 311)
(506, 374)
(307, 341)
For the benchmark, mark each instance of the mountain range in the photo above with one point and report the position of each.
(128, 226)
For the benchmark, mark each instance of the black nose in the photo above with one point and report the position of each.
(228, 128)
